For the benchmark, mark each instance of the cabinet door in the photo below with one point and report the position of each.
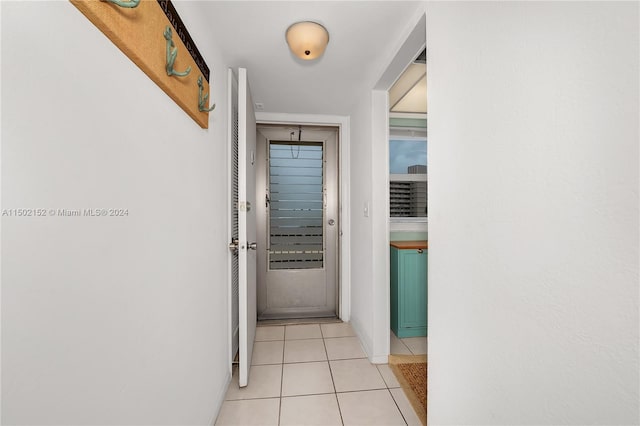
(395, 292)
(413, 276)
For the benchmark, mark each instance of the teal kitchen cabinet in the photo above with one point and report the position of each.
(409, 288)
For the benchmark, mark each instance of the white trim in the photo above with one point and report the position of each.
(410, 43)
(343, 122)
(302, 119)
(380, 203)
(382, 359)
(409, 224)
(412, 134)
(357, 327)
(399, 219)
(219, 400)
(417, 115)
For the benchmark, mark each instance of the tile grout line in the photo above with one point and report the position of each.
(253, 399)
(333, 382)
(319, 360)
(334, 392)
(405, 345)
(382, 375)
(340, 337)
(401, 342)
(396, 402)
(313, 394)
(363, 390)
(281, 384)
(411, 350)
(305, 338)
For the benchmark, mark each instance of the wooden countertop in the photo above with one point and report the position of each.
(410, 244)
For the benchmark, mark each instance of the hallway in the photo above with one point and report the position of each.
(126, 317)
(316, 374)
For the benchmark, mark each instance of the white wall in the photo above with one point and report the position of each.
(361, 226)
(369, 180)
(533, 213)
(108, 320)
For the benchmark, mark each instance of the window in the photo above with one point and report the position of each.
(408, 176)
(296, 211)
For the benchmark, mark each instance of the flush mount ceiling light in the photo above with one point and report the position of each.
(307, 40)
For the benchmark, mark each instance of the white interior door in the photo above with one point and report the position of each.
(234, 291)
(246, 225)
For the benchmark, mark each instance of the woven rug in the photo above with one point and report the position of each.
(411, 372)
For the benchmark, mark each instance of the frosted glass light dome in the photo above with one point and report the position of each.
(307, 40)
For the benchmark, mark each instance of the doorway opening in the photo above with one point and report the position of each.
(407, 53)
(298, 223)
(408, 232)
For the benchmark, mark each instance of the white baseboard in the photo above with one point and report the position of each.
(357, 327)
(382, 359)
(222, 391)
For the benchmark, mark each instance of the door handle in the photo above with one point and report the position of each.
(233, 245)
(252, 246)
(331, 222)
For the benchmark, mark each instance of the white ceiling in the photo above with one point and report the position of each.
(362, 34)
(409, 92)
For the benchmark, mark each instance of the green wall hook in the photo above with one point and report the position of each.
(172, 53)
(202, 101)
(124, 3)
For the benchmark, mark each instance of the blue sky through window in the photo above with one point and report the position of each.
(405, 153)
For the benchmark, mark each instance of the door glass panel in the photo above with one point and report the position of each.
(296, 208)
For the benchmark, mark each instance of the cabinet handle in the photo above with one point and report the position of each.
(420, 251)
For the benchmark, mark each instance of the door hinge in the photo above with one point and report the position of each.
(244, 206)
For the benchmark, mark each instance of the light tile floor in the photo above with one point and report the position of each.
(317, 374)
(408, 345)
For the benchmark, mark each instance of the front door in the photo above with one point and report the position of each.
(298, 222)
